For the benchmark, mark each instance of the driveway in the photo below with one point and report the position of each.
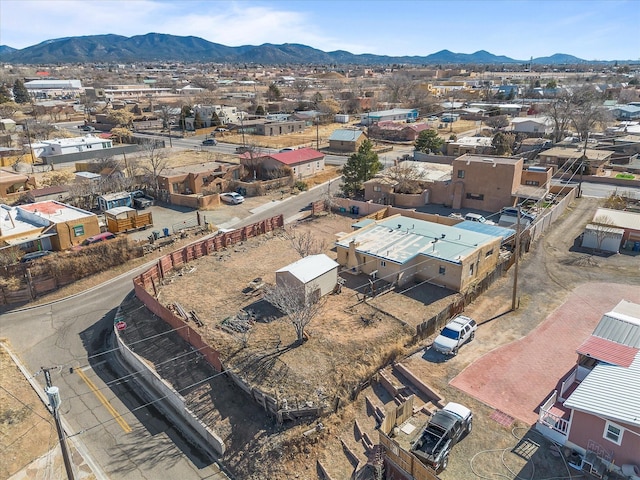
(518, 377)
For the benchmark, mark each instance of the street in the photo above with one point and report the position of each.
(103, 406)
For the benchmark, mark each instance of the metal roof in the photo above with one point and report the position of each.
(610, 391)
(618, 218)
(399, 239)
(620, 327)
(311, 267)
(607, 351)
(492, 230)
(345, 135)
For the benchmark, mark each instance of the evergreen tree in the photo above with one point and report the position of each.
(503, 143)
(360, 167)
(260, 110)
(428, 141)
(20, 92)
(215, 120)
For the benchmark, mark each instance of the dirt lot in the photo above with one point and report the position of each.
(27, 430)
(549, 272)
(307, 138)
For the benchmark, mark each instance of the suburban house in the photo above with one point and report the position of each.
(474, 182)
(491, 183)
(401, 250)
(346, 140)
(408, 115)
(538, 126)
(55, 192)
(62, 146)
(478, 145)
(14, 183)
(611, 229)
(47, 225)
(225, 114)
(303, 162)
(272, 129)
(569, 158)
(194, 179)
(397, 132)
(318, 274)
(625, 112)
(595, 410)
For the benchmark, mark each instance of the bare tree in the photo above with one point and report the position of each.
(587, 111)
(497, 122)
(156, 161)
(295, 301)
(559, 110)
(399, 87)
(408, 178)
(300, 85)
(603, 228)
(304, 243)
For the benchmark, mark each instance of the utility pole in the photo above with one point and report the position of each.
(54, 401)
(514, 293)
(582, 159)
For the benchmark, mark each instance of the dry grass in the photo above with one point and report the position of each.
(342, 348)
(307, 138)
(27, 430)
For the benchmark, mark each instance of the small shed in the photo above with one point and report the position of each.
(602, 237)
(318, 273)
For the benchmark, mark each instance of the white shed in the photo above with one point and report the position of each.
(315, 272)
(602, 237)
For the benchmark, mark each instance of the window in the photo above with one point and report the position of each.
(471, 270)
(533, 183)
(460, 173)
(383, 263)
(613, 432)
(489, 253)
(475, 196)
(376, 188)
(78, 230)
(442, 270)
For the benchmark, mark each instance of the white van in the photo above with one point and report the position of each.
(474, 217)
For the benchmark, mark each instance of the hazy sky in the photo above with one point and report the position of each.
(589, 29)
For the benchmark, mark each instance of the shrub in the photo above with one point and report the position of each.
(302, 186)
(626, 176)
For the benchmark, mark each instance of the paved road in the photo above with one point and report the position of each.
(126, 439)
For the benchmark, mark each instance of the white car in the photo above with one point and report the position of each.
(232, 197)
(455, 334)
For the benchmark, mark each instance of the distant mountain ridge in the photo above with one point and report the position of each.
(112, 48)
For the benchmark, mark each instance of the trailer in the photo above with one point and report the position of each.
(125, 219)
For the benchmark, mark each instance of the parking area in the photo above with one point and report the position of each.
(518, 377)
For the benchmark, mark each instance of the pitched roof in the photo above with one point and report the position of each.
(346, 135)
(610, 391)
(293, 157)
(608, 351)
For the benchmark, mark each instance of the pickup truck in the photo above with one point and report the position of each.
(141, 200)
(445, 428)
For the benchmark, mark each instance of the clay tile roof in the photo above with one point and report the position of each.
(608, 351)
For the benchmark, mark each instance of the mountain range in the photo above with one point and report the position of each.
(171, 48)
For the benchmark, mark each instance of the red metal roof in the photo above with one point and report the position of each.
(294, 157)
(608, 351)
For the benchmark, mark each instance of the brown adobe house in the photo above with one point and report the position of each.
(194, 179)
(346, 140)
(397, 132)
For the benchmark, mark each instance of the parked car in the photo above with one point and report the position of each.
(456, 333)
(232, 198)
(88, 128)
(141, 200)
(474, 217)
(29, 257)
(242, 149)
(209, 142)
(445, 428)
(287, 149)
(221, 129)
(433, 118)
(101, 237)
